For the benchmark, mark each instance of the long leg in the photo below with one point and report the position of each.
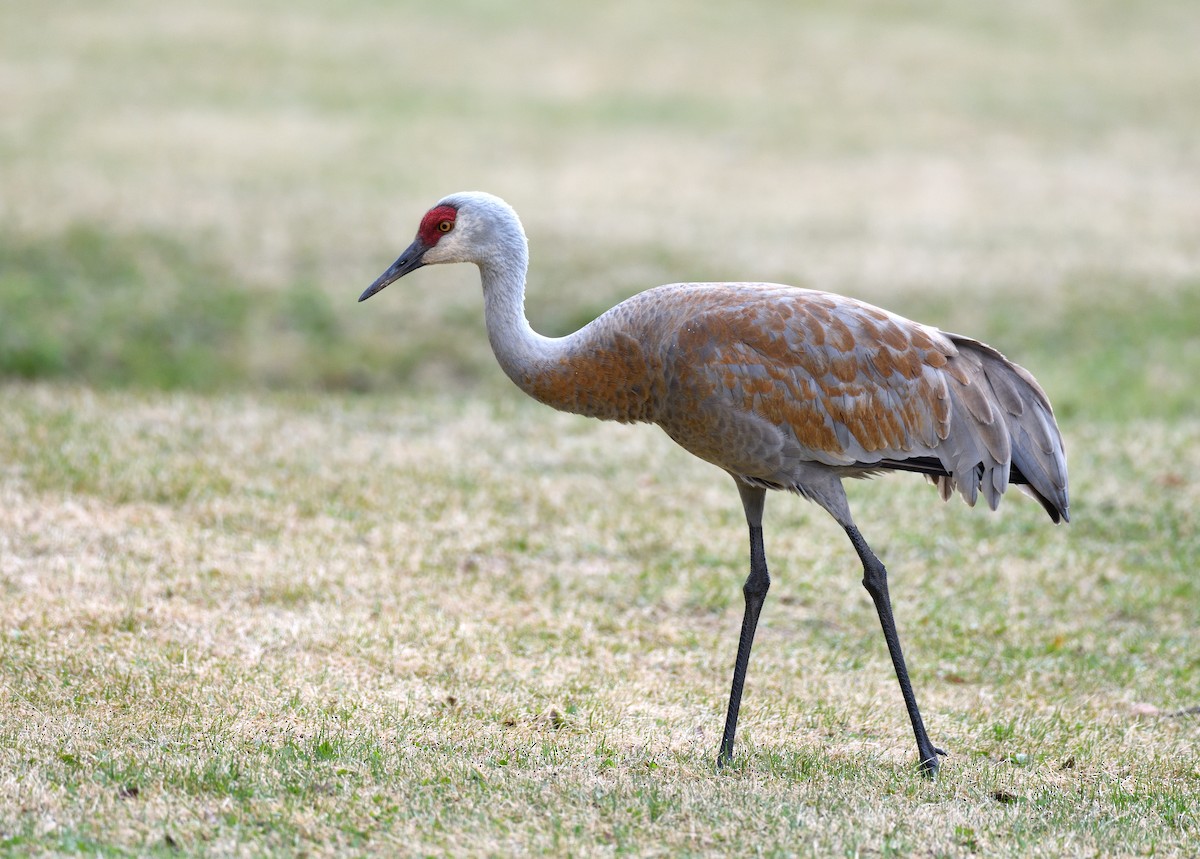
(755, 592)
(875, 581)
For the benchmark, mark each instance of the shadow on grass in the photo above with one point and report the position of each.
(143, 310)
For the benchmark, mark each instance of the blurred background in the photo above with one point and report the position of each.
(194, 195)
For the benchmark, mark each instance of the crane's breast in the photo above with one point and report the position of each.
(610, 374)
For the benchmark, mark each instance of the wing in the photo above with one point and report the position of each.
(772, 378)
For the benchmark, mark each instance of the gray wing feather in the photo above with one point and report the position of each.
(1022, 431)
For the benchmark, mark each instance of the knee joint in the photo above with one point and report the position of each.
(756, 587)
(875, 579)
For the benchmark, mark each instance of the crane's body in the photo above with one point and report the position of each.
(783, 388)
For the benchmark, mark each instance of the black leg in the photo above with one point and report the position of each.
(755, 591)
(875, 581)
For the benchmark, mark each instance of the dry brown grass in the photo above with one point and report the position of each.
(348, 625)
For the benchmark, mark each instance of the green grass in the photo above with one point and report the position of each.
(149, 311)
(145, 311)
(285, 574)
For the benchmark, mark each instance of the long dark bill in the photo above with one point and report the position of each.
(409, 261)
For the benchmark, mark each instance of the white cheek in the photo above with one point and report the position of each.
(443, 251)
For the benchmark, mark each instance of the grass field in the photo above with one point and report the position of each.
(285, 574)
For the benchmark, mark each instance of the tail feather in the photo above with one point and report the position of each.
(1002, 432)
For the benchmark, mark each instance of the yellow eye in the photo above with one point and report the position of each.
(445, 226)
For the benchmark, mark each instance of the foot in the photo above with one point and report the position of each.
(930, 762)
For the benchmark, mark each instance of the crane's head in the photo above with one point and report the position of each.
(467, 227)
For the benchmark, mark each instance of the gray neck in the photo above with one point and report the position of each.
(521, 351)
(599, 370)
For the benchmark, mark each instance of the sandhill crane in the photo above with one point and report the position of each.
(783, 388)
